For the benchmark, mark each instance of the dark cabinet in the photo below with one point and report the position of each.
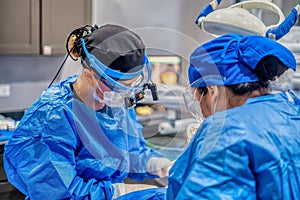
(40, 26)
(19, 26)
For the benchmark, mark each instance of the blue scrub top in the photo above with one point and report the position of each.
(248, 152)
(62, 149)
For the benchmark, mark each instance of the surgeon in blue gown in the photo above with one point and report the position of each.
(248, 146)
(79, 140)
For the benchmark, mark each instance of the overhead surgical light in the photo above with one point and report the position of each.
(238, 19)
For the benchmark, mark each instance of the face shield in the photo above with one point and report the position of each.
(125, 88)
(192, 103)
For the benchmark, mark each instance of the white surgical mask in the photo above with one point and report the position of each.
(115, 99)
(97, 98)
(112, 98)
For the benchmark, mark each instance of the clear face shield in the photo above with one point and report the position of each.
(125, 88)
(192, 102)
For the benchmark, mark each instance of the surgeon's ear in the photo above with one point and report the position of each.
(88, 75)
(213, 91)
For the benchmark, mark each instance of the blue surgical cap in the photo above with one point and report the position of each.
(231, 59)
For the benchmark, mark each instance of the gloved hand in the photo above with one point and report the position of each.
(123, 188)
(159, 166)
(119, 189)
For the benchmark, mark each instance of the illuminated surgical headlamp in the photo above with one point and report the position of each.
(106, 74)
(238, 19)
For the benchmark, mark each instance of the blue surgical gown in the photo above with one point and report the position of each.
(62, 149)
(248, 152)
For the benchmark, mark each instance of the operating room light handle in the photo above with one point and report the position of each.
(207, 10)
(285, 26)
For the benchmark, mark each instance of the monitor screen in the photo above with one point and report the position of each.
(165, 69)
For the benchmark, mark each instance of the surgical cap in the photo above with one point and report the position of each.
(117, 48)
(231, 59)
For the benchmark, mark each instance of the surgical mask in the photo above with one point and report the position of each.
(192, 104)
(97, 98)
(113, 98)
(92, 95)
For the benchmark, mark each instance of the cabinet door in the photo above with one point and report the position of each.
(59, 18)
(19, 23)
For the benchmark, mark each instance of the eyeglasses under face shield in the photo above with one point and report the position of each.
(126, 86)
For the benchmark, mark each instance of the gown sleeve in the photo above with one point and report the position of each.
(139, 152)
(40, 159)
